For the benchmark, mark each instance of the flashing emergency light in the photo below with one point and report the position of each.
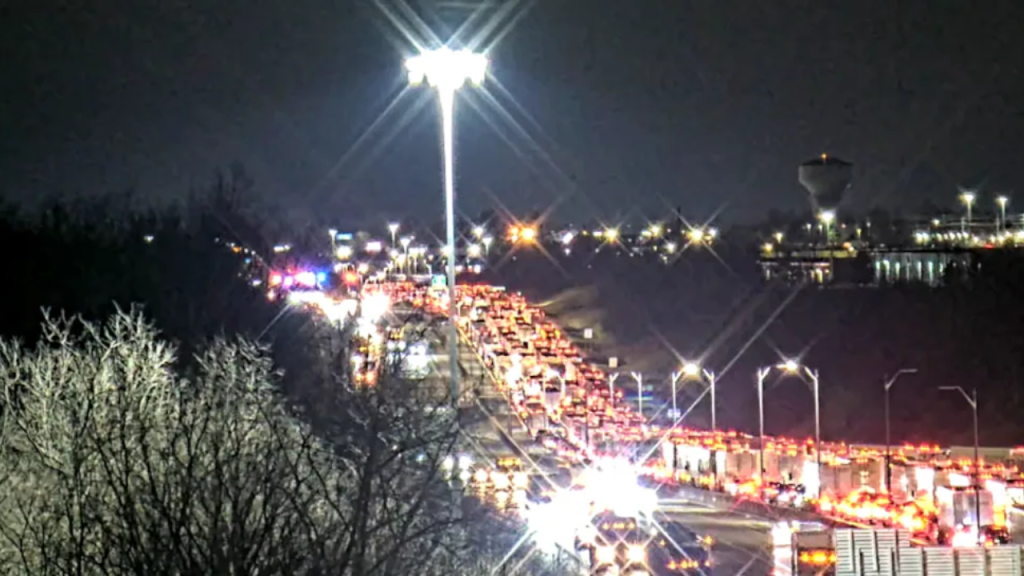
(321, 277)
(276, 279)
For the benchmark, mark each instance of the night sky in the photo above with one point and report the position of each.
(620, 104)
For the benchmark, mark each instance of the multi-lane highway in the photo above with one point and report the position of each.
(513, 363)
(741, 540)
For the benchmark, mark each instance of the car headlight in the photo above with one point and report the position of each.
(520, 480)
(480, 476)
(636, 554)
(605, 555)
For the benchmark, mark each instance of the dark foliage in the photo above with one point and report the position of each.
(715, 308)
(87, 258)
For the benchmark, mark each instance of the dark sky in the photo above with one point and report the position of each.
(626, 104)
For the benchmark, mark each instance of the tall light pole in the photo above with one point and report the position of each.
(968, 199)
(447, 70)
(694, 371)
(762, 373)
(405, 247)
(393, 228)
(972, 399)
(888, 438)
(827, 217)
(794, 368)
(1002, 201)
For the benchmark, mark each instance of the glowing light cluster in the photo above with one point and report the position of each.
(447, 69)
(375, 306)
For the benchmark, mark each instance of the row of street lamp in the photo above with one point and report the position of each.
(694, 371)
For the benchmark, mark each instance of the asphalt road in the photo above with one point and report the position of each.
(742, 544)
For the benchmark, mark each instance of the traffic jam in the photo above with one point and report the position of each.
(574, 409)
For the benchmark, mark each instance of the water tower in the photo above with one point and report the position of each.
(826, 179)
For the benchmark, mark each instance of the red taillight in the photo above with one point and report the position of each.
(350, 278)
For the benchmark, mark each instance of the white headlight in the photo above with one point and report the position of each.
(605, 555)
(636, 554)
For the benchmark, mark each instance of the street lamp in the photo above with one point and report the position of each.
(1002, 201)
(479, 231)
(694, 371)
(406, 240)
(968, 199)
(393, 228)
(827, 217)
(972, 399)
(447, 71)
(792, 368)
(888, 439)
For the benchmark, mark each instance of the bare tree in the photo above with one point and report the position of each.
(112, 463)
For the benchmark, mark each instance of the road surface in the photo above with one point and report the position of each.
(742, 544)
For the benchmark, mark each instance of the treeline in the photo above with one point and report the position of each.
(163, 417)
(716, 306)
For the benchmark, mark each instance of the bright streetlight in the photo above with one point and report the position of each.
(405, 241)
(393, 228)
(447, 71)
(1002, 201)
(972, 399)
(827, 217)
(479, 232)
(694, 371)
(888, 440)
(968, 199)
(791, 368)
(473, 250)
(611, 234)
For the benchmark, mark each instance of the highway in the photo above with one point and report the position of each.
(742, 543)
